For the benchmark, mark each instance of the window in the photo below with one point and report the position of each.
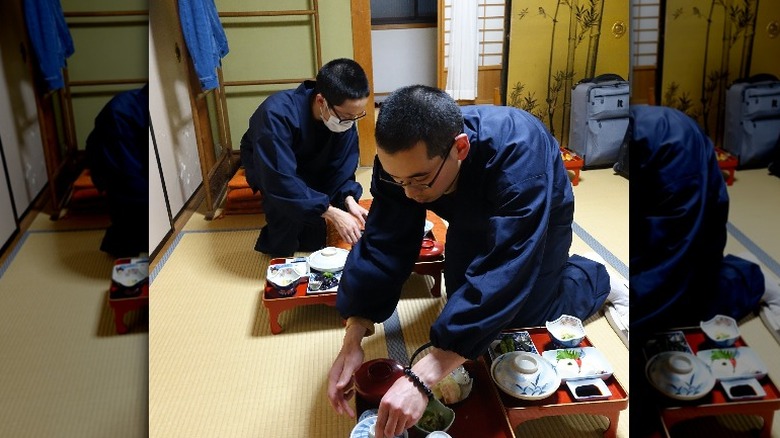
(645, 16)
(403, 11)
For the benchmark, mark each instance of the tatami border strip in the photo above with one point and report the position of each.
(601, 250)
(18, 245)
(13, 254)
(169, 251)
(751, 246)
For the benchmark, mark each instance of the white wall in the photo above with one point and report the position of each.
(7, 219)
(403, 57)
(19, 126)
(159, 222)
(171, 114)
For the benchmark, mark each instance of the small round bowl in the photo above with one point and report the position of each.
(329, 259)
(436, 417)
(375, 377)
(524, 375)
(566, 331)
(428, 227)
(455, 387)
(721, 330)
(366, 428)
(679, 375)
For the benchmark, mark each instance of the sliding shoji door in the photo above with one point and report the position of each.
(491, 17)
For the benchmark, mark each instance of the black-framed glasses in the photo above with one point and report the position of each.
(345, 120)
(418, 185)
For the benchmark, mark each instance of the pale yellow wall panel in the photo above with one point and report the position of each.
(269, 48)
(106, 48)
(336, 29)
(766, 47)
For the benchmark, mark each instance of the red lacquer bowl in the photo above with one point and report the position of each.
(430, 248)
(375, 377)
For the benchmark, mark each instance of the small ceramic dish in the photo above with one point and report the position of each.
(436, 417)
(365, 429)
(566, 331)
(330, 259)
(428, 227)
(455, 387)
(512, 341)
(439, 434)
(721, 330)
(284, 277)
(743, 389)
(588, 389)
(733, 363)
(579, 363)
(526, 376)
(679, 375)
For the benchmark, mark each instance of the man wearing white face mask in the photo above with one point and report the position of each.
(301, 151)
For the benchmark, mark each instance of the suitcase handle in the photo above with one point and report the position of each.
(760, 77)
(606, 77)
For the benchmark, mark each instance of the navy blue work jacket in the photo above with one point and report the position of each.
(679, 209)
(508, 238)
(297, 163)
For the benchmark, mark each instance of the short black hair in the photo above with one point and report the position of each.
(418, 113)
(342, 79)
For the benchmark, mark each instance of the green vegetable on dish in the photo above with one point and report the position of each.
(431, 421)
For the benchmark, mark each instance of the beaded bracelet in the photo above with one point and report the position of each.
(418, 382)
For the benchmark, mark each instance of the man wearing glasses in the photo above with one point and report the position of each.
(301, 151)
(496, 175)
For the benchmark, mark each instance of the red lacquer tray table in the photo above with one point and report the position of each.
(562, 402)
(480, 415)
(717, 402)
(573, 162)
(277, 303)
(123, 300)
(727, 163)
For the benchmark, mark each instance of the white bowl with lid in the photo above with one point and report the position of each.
(329, 259)
(524, 375)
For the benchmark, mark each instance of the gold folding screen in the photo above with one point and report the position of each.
(707, 45)
(555, 43)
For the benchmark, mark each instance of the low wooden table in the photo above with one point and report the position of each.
(727, 163)
(276, 303)
(123, 300)
(717, 402)
(561, 402)
(480, 415)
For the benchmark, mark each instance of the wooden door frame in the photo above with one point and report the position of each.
(362, 54)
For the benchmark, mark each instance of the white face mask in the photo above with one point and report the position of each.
(333, 123)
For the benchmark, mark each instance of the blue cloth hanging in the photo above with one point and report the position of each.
(205, 38)
(50, 39)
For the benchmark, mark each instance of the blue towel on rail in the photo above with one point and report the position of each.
(205, 38)
(50, 39)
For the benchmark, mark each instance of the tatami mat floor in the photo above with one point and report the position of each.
(64, 372)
